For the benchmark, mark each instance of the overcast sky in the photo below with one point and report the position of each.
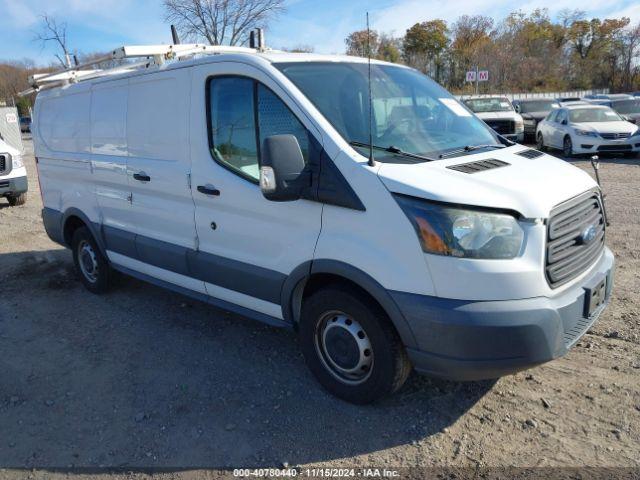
(100, 25)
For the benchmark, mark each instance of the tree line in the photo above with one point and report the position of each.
(522, 52)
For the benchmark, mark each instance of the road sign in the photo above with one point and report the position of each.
(471, 76)
(483, 76)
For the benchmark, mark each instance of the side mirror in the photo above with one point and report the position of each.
(564, 122)
(517, 107)
(281, 174)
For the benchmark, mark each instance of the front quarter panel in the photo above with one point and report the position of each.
(379, 241)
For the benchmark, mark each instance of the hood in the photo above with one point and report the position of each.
(607, 127)
(498, 115)
(535, 115)
(6, 148)
(531, 187)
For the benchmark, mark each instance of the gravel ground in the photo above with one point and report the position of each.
(143, 378)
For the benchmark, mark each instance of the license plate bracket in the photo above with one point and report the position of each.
(595, 296)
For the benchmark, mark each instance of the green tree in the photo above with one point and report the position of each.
(471, 41)
(389, 49)
(424, 46)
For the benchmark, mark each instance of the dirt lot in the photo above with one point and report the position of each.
(144, 378)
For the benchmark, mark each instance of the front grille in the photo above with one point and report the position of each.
(569, 251)
(615, 136)
(502, 126)
(478, 166)
(3, 163)
(614, 148)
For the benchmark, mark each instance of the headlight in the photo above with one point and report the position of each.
(458, 232)
(519, 125)
(17, 161)
(636, 133)
(586, 133)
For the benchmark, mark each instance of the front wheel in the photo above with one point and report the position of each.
(91, 264)
(351, 346)
(567, 147)
(15, 200)
(540, 142)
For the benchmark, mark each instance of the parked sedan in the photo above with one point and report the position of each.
(534, 111)
(584, 129)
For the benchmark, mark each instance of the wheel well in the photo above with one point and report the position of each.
(70, 226)
(318, 281)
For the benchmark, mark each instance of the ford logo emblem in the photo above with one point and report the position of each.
(588, 234)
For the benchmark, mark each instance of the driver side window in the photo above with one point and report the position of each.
(241, 114)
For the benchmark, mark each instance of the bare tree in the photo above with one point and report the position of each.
(221, 21)
(52, 31)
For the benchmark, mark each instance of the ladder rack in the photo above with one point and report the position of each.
(152, 55)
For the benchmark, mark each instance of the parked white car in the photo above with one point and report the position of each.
(247, 179)
(588, 129)
(13, 175)
(499, 114)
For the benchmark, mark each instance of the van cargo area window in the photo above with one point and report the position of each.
(241, 114)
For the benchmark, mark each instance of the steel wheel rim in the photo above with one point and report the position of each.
(344, 347)
(88, 261)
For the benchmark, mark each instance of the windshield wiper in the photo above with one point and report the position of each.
(395, 150)
(469, 148)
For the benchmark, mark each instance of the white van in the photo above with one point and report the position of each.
(13, 175)
(244, 180)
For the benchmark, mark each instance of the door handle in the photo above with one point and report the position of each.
(142, 177)
(208, 190)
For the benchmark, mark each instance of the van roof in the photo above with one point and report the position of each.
(201, 54)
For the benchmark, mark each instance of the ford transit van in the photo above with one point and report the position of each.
(392, 232)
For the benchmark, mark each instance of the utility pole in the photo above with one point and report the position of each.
(477, 80)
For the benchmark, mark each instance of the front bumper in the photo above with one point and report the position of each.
(530, 127)
(515, 137)
(475, 340)
(13, 186)
(583, 145)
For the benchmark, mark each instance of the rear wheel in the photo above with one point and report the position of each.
(91, 264)
(351, 346)
(567, 147)
(15, 200)
(540, 142)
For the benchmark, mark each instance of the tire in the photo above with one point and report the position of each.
(17, 199)
(540, 142)
(91, 265)
(567, 147)
(331, 320)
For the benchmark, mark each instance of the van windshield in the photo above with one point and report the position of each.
(410, 112)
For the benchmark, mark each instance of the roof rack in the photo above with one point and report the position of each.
(151, 55)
